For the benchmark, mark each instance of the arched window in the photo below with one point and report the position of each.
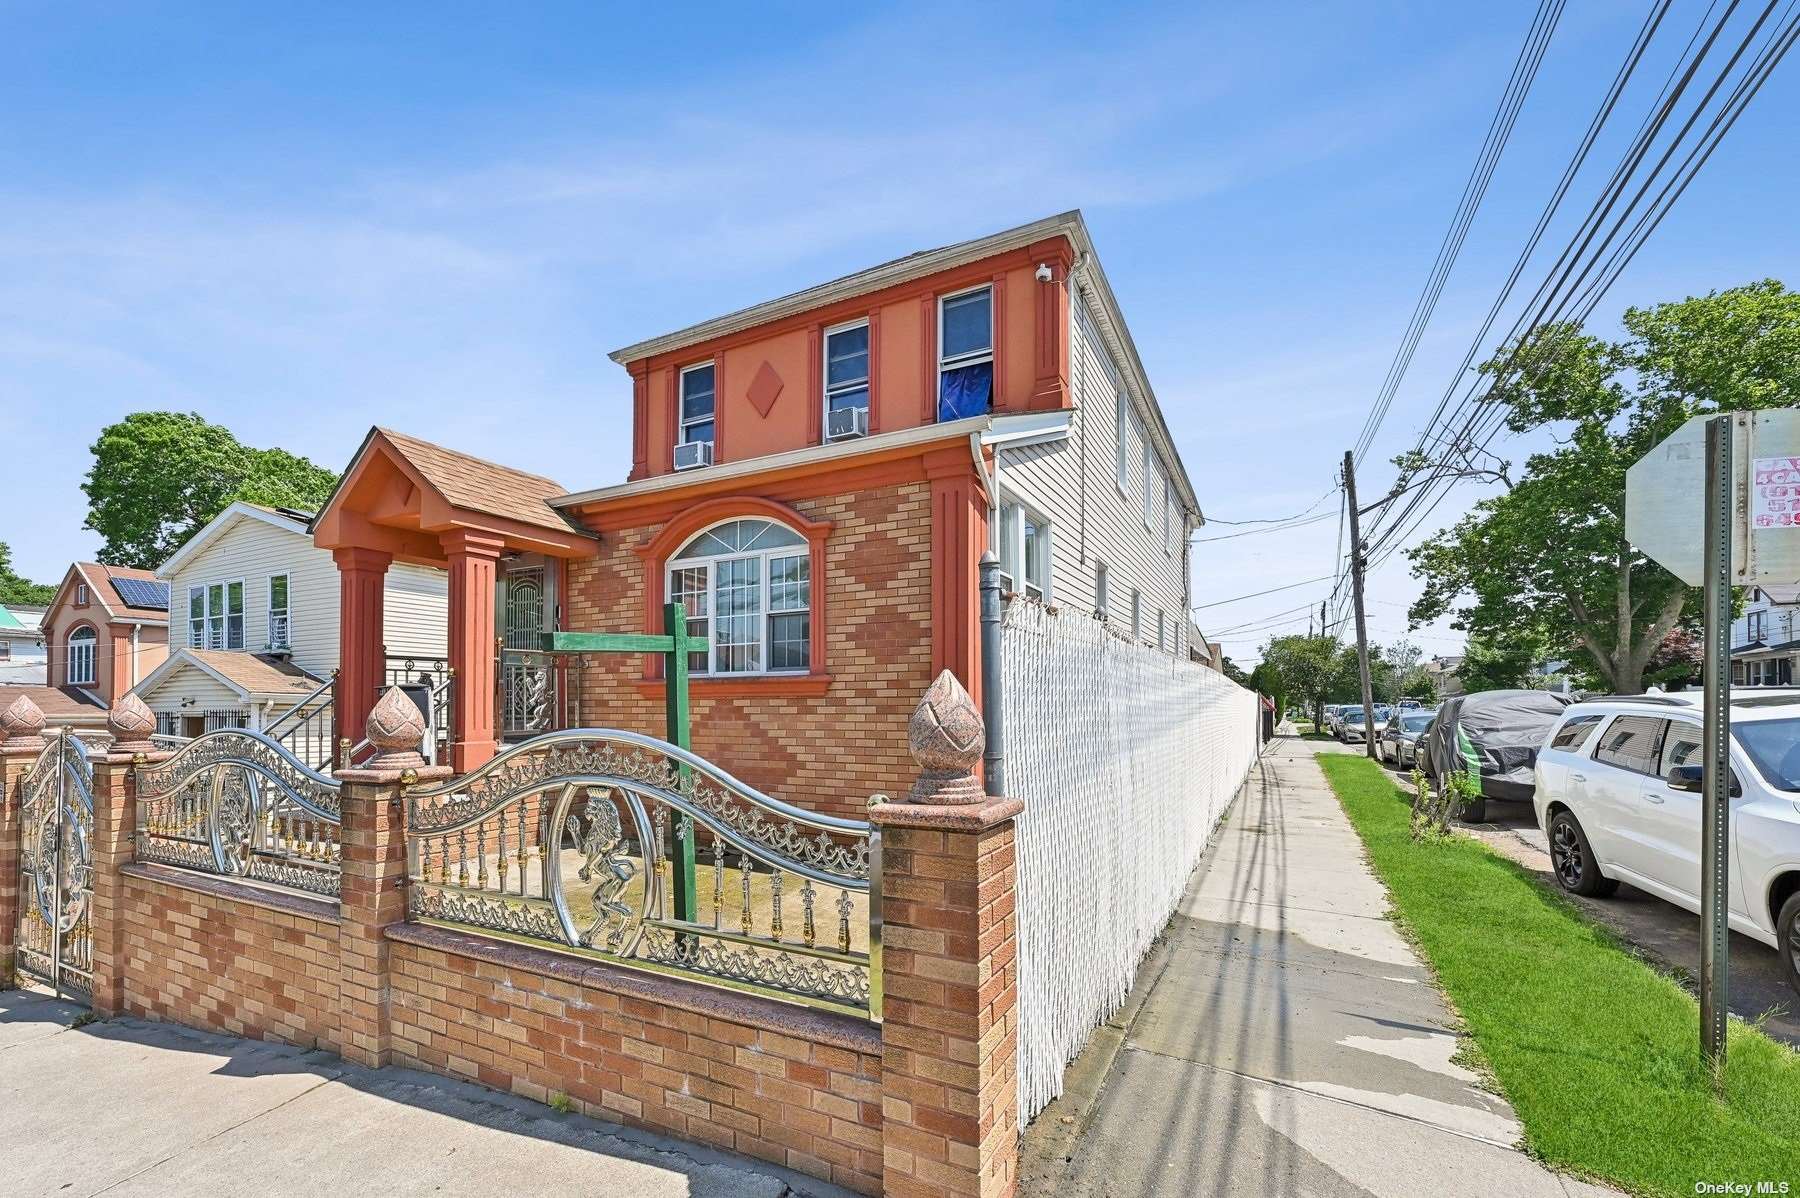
(81, 657)
(746, 584)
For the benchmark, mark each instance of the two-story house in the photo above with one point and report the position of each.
(256, 626)
(814, 479)
(1764, 639)
(106, 629)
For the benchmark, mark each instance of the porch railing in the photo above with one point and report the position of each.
(240, 804)
(305, 729)
(438, 676)
(623, 847)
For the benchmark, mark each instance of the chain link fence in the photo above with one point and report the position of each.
(1127, 758)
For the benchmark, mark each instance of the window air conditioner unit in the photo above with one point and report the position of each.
(691, 454)
(846, 423)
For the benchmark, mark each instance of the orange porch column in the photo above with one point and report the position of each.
(473, 559)
(959, 516)
(362, 578)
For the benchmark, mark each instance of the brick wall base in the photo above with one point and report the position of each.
(797, 1087)
(219, 955)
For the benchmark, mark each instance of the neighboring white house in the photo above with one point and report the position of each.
(1764, 640)
(22, 655)
(253, 625)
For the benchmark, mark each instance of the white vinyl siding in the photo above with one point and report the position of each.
(190, 690)
(1074, 484)
(416, 601)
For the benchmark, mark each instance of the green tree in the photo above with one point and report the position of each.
(1306, 667)
(1234, 671)
(14, 589)
(158, 477)
(1546, 561)
(1499, 664)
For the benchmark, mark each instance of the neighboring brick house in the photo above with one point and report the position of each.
(816, 478)
(106, 628)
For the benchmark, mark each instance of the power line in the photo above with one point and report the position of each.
(1512, 100)
(1308, 510)
(1255, 594)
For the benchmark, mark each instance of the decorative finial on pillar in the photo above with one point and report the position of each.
(396, 729)
(22, 725)
(945, 737)
(131, 722)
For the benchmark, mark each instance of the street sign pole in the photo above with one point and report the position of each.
(1715, 737)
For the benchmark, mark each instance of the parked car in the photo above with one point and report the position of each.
(1399, 736)
(1494, 736)
(1332, 711)
(1618, 795)
(1356, 722)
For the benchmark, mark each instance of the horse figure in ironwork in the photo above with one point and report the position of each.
(603, 861)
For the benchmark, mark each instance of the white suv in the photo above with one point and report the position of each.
(1618, 795)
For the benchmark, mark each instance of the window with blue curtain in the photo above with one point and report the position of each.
(966, 355)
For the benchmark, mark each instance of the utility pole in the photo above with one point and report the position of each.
(1356, 585)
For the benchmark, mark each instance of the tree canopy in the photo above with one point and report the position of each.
(14, 589)
(1546, 562)
(158, 477)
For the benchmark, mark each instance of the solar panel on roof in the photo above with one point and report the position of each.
(143, 592)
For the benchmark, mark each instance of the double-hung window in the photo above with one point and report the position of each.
(1756, 624)
(697, 406)
(1149, 482)
(966, 354)
(1137, 614)
(1024, 551)
(280, 631)
(1168, 515)
(216, 615)
(746, 585)
(1100, 589)
(846, 369)
(80, 670)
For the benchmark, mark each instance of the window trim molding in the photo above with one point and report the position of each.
(93, 638)
(653, 559)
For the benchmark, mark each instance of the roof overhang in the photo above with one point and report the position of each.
(813, 458)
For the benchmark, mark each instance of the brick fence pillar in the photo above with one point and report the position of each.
(372, 892)
(113, 844)
(949, 1036)
(20, 744)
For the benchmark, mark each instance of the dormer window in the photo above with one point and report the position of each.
(697, 403)
(966, 354)
(81, 594)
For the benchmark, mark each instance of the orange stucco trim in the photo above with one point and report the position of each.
(679, 529)
(958, 539)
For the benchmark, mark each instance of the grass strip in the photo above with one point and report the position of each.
(1597, 1051)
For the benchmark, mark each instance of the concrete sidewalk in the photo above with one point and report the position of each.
(1283, 1039)
(128, 1107)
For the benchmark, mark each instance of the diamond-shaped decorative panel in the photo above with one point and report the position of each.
(765, 389)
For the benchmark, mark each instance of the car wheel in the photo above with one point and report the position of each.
(1787, 932)
(1572, 859)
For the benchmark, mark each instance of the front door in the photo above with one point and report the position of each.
(527, 681)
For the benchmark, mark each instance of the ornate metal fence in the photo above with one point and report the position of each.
(627, 848)
(237, 803)
(56, 823)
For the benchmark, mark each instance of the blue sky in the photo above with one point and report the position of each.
(308, 219)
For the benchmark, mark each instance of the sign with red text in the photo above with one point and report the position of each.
(1664, 493)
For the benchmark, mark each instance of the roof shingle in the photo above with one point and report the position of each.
(483, 486)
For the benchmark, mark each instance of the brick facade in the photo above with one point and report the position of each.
(878, 628)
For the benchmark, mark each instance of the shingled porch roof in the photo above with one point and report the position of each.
(402, 495)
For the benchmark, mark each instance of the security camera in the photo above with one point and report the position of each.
(1043, 272)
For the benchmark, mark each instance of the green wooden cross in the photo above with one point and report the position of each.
(674, 646)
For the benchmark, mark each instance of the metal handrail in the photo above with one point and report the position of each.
(275, 725)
